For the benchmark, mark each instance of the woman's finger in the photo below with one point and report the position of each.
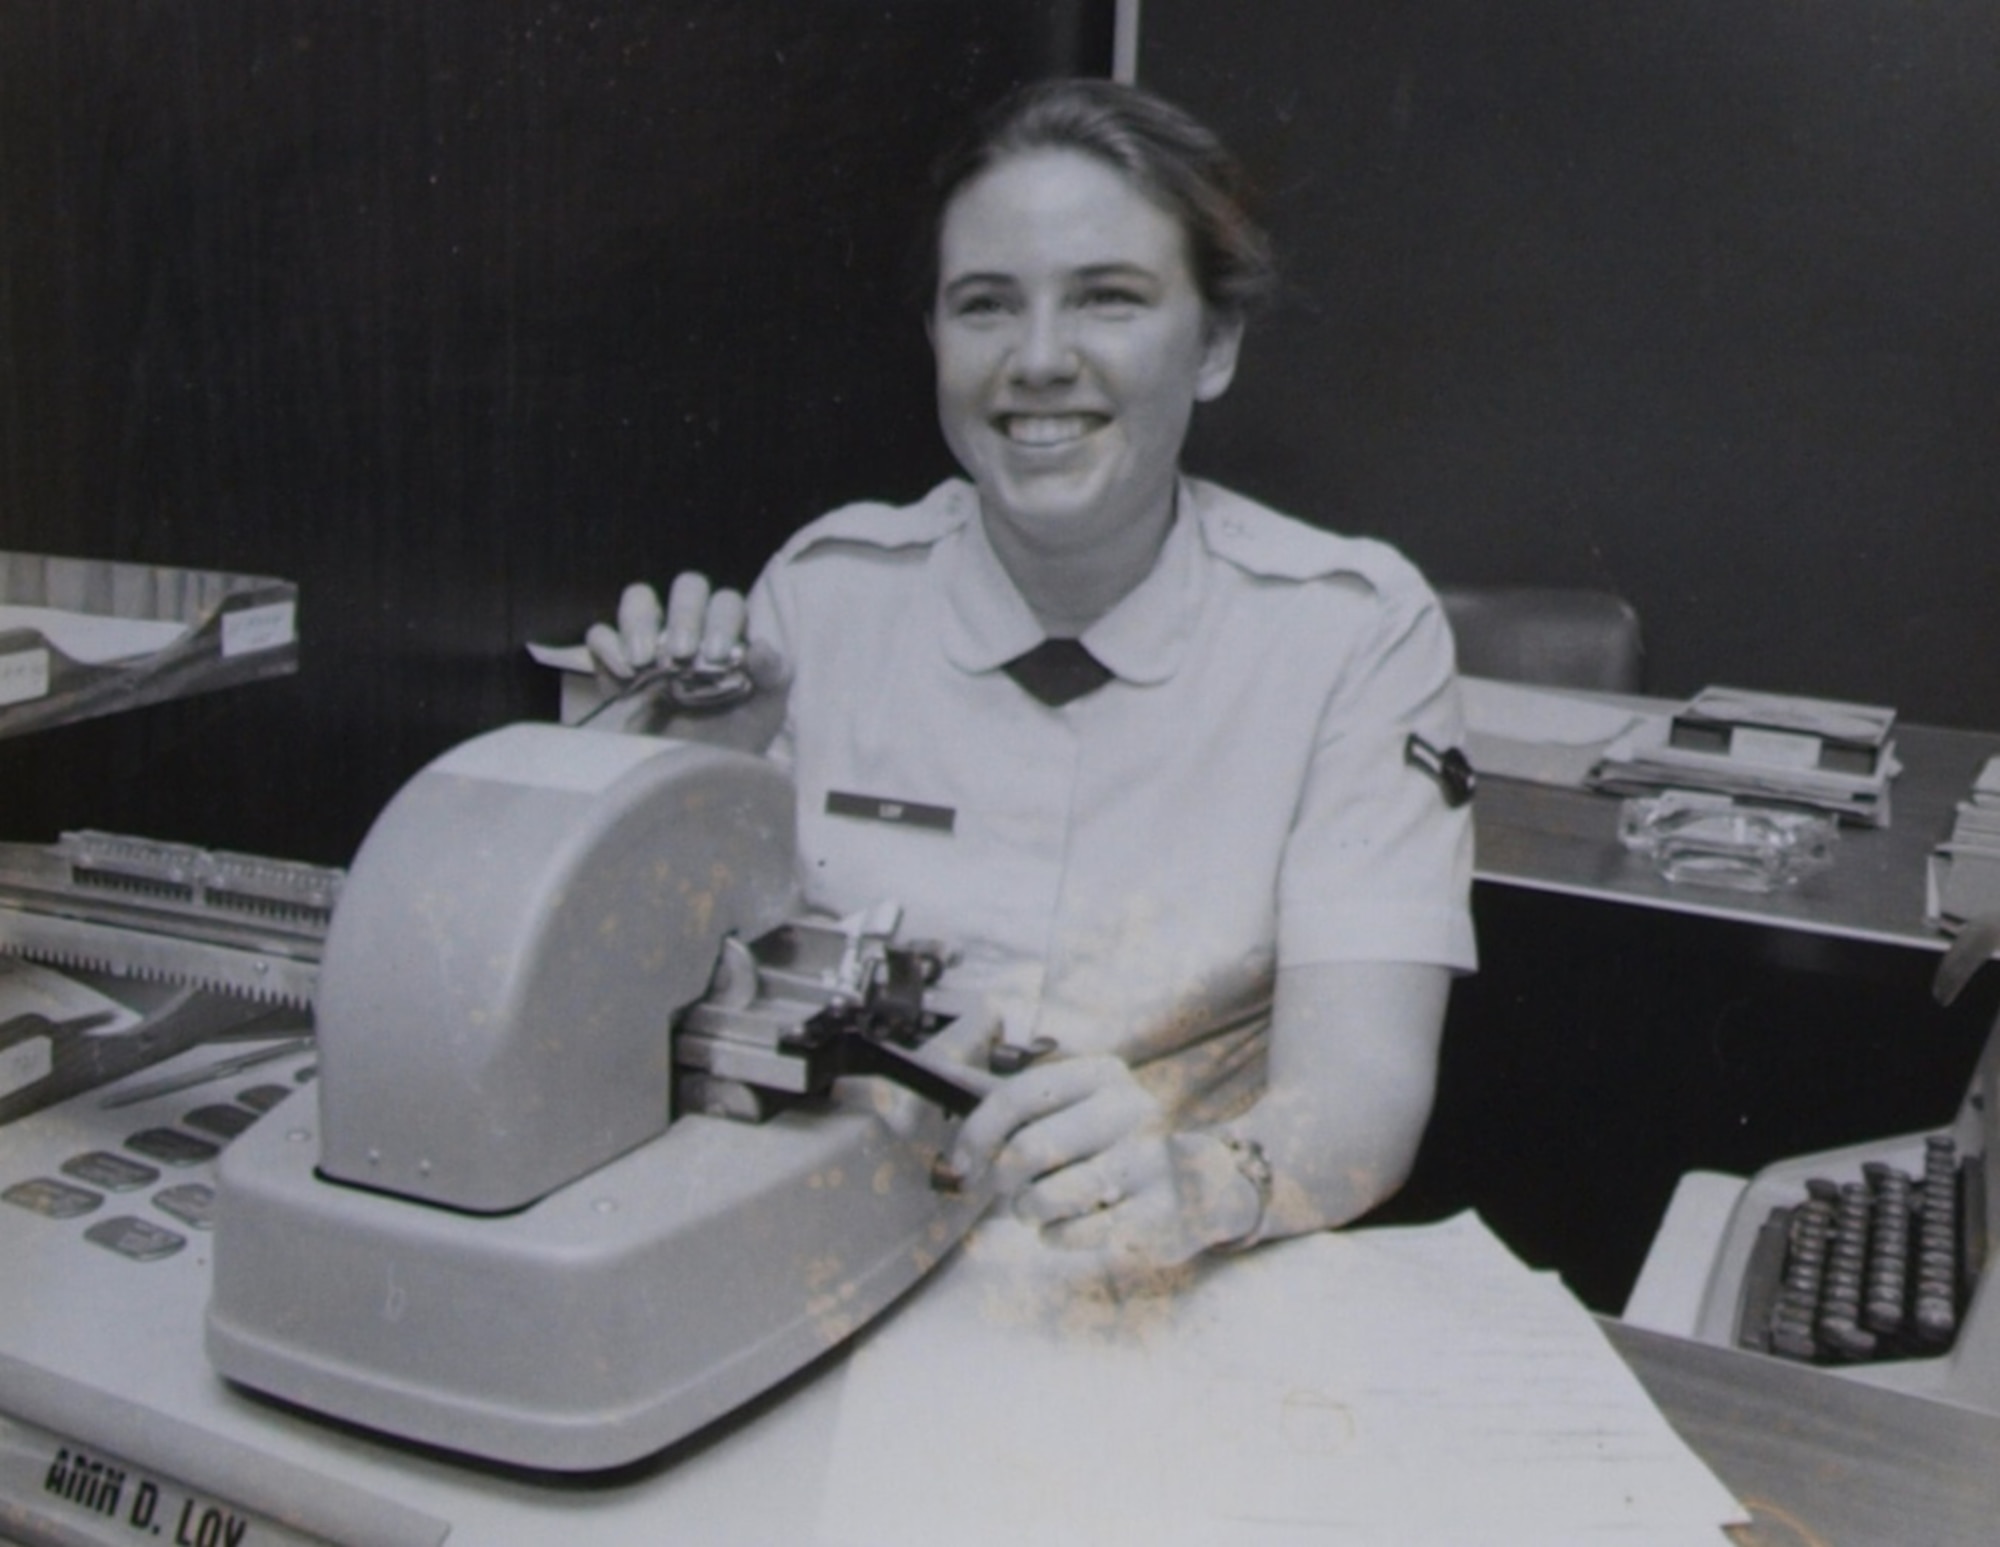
(607, 648)
(1116, 1176)
(639, 624)
(1074, 1135)
(768, 669)
(722, 629)
(1025, 1098)
(687, 615)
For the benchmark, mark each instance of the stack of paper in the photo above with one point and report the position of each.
(1965, 868)
(1385, 1386)
(1813, 752)
(1543, 735)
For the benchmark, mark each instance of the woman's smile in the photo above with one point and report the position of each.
(1050, 429)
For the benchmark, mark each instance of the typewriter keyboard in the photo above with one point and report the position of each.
(1872, 1269)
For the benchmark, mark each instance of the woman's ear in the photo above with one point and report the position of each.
(1223, 339)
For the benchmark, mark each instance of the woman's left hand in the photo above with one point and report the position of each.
(1086, 1153)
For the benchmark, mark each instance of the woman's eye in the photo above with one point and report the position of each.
(1113, 298)
(978, 305)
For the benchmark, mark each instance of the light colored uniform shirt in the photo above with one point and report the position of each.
(1125, 873)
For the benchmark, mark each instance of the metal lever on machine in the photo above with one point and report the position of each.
(791, 1015)
(840, 1042)
(878, 1035)
(876, 1032)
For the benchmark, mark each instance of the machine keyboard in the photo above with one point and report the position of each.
(1873, 1269)
(162, 1172)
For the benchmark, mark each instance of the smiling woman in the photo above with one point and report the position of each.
(1165, 729)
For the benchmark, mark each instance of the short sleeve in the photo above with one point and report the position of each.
(770, 623)
(1378, 865)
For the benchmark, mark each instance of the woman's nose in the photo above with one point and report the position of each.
(1046, 348)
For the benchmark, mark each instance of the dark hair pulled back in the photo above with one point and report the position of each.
(1168, 154)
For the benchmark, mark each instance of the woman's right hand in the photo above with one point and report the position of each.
(699, 625)
(701, 631)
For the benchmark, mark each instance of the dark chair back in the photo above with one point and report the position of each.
(1554, 635)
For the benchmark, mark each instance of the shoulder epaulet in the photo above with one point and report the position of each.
(1263, 542)
(873, 524)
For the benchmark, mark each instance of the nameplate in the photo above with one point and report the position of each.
(901, 813)
(247, 630)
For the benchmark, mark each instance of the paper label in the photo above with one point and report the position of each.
(26, 1063)
(1774, 749)
(24, 675)
(251, 629)
(63, 1491)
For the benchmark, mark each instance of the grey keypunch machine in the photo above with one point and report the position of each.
(568, 1161)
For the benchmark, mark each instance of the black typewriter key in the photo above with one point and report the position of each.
(192, 1203)
(1845, 1337)
(1793, 1338)
(225, 1122)
(172, 1147)
(261, 1098)
(1937, 1322)
(139, 1239)
(58, 1200)
(114, 1173)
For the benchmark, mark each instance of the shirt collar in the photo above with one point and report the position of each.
(1143, 639)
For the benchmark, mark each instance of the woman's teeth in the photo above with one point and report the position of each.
(1048, 429)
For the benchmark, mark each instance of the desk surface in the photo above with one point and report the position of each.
(1819, 1459)
(1552, 839)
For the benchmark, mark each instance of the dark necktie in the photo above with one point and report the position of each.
(1058, 670)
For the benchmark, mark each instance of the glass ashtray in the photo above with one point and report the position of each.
(1711, 841)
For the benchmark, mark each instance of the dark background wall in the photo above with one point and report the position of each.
(460, 315)
(1693, 299)
(1697, 300)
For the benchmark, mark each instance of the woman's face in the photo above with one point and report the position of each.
(1072, 344)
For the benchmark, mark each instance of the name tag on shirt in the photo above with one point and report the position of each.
(900, 813)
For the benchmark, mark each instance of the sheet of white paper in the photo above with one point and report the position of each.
(562, 657)
(1413, 1387)
(93, 638)
(1536, 761)
(1544, 715)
